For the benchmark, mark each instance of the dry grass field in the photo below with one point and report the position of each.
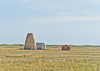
(52, 59)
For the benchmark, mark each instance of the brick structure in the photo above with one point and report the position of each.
(66, 47)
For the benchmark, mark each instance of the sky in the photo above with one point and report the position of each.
(55, 22)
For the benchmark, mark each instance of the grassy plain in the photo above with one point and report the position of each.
(80, 58)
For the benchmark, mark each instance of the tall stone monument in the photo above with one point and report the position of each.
(30, 43)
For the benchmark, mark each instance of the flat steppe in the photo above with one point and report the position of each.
(79, 58)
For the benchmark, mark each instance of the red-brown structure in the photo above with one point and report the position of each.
(66, 47)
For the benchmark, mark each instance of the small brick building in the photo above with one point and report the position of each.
(66, 47)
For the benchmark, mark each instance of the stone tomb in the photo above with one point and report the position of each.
(30, 43)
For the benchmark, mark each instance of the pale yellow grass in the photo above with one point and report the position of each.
(13, 59)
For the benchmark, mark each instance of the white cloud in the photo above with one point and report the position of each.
(90, 13)
(62, 13)
(14, 0)
(25, 0)
(64, 19)
(94, 1)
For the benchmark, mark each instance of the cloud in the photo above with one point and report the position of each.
(94, 1)
(64, 19)
(62, 13)
(90, 13)
(25, 0)
(14, 0)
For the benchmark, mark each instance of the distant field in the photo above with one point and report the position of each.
(80, 58)
(48, 46)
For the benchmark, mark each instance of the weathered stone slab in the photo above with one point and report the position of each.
(41, 46)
